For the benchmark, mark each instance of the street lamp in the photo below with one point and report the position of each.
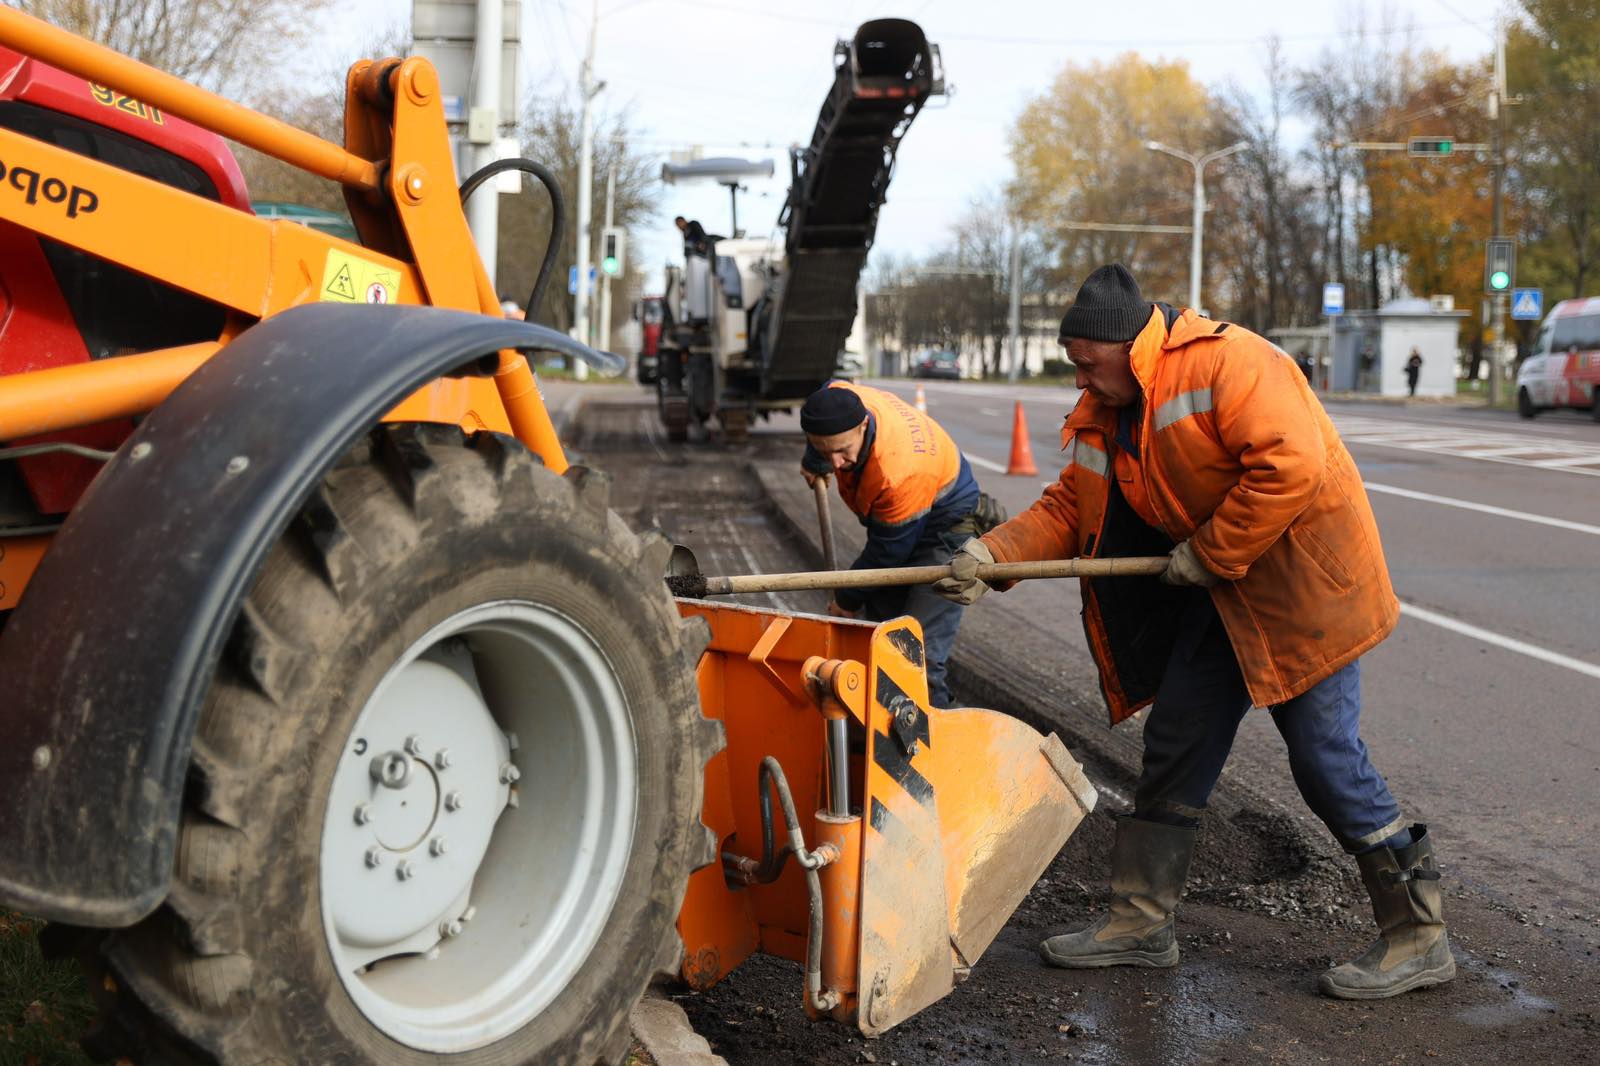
(1199, 163)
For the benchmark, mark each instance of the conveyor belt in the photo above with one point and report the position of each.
(884, 76)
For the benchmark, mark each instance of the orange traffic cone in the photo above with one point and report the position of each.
(1021, 464)
(922, 401)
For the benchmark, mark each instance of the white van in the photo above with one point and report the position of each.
(1564, 369)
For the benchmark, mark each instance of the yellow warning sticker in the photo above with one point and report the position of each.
(349, 280)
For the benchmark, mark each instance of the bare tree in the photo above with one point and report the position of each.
(550, 135)
(220, 44)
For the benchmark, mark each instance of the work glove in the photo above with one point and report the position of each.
(811, 477)
(1185, 569)
(963, 586)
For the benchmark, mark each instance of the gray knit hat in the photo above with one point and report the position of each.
(1108, 308)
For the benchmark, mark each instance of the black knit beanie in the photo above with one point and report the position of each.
(1108, 307)
(829, 411)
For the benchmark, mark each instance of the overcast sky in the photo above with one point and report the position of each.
(747, 77)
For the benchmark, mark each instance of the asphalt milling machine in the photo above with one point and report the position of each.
(755, 325)
(345, 720)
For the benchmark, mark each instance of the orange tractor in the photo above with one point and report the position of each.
(344, 720)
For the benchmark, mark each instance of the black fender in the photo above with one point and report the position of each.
(107, 659)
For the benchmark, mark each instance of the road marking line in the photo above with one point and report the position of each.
(990, 412)
(1532, 651)
(1576, 460)
(1468, 505)
(987, 464)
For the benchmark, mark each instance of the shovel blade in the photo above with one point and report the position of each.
(682, 563)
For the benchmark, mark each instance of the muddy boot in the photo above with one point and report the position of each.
(1412, 950)
(1149, 864)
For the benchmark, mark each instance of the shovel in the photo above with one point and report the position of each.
(685, 579)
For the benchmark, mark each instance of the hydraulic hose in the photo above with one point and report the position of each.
(558, 216)
(771, 775)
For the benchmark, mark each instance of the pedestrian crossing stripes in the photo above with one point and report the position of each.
(1490, 446)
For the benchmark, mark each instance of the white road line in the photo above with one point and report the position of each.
(987, 464)
(1468, 505)
(990, 412)
(1532, 651)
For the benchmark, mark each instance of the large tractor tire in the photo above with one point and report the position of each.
(446, 792)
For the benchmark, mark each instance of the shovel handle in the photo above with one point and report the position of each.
(820, 488)
(926, 575)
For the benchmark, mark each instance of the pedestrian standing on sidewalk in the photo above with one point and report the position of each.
(1413, 370)
(902, 475)
(1200, 440)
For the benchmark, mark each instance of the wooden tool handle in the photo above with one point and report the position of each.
(926, 575)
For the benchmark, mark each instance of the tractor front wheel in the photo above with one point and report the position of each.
(446, 791)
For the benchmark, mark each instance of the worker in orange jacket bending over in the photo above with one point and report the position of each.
(913, 490)
(1201, 440)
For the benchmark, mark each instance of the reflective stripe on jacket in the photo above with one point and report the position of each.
(1240, 458)
(910, 484)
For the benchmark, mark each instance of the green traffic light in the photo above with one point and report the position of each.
(609, 264)
(1499, 280)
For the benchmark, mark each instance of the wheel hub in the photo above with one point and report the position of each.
(453, 917)
(401, 857)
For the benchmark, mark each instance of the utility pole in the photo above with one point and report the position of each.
(605, 279)
(588, 88)
(1199, 163)
(1497, 117)
(1014, 325)
(483, 128)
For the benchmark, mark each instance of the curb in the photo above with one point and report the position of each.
(663, 1028)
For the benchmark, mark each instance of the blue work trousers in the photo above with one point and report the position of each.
(939, 618)
(1191, 727)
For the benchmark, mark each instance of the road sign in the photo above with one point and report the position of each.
(572, 280)
(1430, 146)
(1333, 299)
(1528, 304)
(445, 33)
(1499, 265)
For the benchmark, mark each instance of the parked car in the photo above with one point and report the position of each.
(1564, 369)
(933, 363)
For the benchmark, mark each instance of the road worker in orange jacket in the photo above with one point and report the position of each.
(1200, 440)
(902, 475)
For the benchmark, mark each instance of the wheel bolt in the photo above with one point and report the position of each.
(414, 745)
(374, 857)
(453, 800)
(363, 813)
(406, 870)
(441, 760)
(509, 774)
(436, 846)
(391, 769)
(450, 927)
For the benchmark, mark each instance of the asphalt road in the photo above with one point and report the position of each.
(1481, 709)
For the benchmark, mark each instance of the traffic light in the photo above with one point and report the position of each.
(1500, 265)
(612, 241)
(1431, 146)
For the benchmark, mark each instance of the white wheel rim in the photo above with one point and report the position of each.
(449, 947)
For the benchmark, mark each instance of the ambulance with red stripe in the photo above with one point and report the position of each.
(1564, 369)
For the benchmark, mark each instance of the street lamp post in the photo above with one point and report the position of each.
(1199, 163)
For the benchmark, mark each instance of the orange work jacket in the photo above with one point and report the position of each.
(1240, 458)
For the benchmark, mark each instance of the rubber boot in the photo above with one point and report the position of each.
(1149, 864)
(1412, 950)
